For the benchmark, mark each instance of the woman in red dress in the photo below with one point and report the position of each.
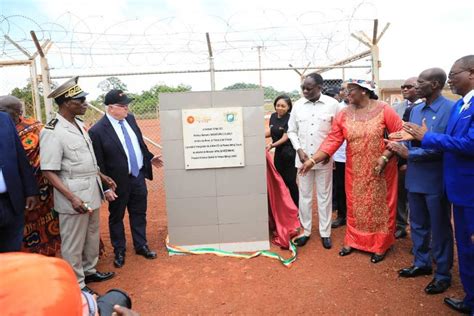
(371, 173)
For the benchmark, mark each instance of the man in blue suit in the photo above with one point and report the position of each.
(430, 216)
(18, 188)
(458, 147)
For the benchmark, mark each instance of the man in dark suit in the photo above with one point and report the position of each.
(18, 188)
(458, 171)
(430, 213)
(403, 110)
(123, 155)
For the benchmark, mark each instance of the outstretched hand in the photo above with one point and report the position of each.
(417, 131)
(156, 161)
(400, 136)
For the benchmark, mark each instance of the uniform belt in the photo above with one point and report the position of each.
(72, 175)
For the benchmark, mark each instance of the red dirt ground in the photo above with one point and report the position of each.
(319, 282)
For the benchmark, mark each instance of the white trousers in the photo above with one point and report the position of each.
(323, 180)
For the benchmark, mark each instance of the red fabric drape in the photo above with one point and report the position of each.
(282, 210)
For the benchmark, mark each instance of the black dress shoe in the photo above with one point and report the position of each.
(376, 258)
(119, 260)
(400, 233)
(89, 290)
(326, 242)
(99, 277)
(345, 251)
(301, 241)
(437, 286)
(458, 305)
(146, 252)
(414, 271)
(338, 222)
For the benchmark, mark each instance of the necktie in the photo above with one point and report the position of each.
(131, 152)
(406, 114)
(465, 106)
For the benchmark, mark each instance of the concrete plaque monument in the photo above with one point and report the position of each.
(220, 203)
(213, 138)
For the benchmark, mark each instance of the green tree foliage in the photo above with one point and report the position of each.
(146, 104)
(25, 94)
(112, 83)
(107, 85)
(269, 92)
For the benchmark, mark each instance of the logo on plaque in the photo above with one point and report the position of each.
(230, 117)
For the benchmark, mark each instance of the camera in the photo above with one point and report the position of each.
(106, 302)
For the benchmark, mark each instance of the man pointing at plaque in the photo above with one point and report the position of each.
(123, 155)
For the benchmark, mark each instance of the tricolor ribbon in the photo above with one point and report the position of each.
(221, 253)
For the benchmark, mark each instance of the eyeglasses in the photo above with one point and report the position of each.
(348, 91)
(79, 101)
(452, 74)
(406, 86)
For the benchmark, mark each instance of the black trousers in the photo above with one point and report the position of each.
(340, 191)
(133, 198)
(11, 226)
(286, 168)
(402, 202)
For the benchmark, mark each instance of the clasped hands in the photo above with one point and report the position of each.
(80, 206)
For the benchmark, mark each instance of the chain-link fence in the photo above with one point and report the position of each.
(330, 86)
(146, 107)
(17, 80)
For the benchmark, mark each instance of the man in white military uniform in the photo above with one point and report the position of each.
(68, 161)
(309, 124)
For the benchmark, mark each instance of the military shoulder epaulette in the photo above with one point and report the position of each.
(51, 124)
